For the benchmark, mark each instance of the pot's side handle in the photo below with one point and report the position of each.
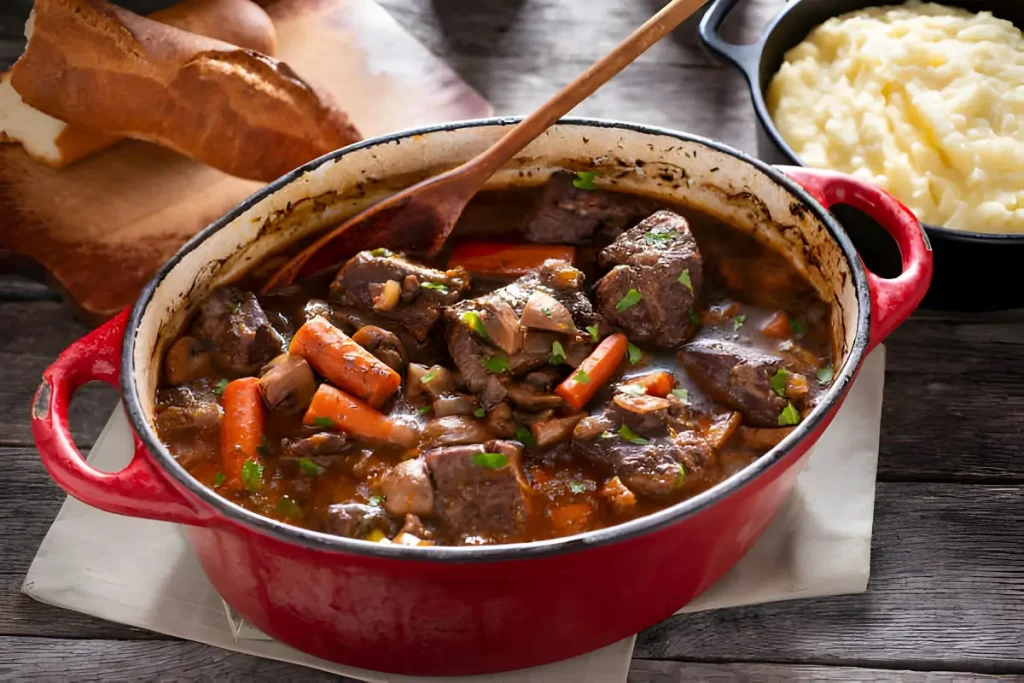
(745, 57)
(892, 300)
(139, 490)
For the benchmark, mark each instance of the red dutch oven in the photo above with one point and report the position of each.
(466, 610)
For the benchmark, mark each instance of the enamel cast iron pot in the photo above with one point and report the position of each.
(464, 610)
(973, 270)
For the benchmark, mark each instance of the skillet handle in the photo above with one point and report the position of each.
(746, 58)
(140, 489)
(892, 300)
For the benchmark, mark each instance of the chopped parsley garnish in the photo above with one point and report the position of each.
(495, 364)
(738, 321)
(629, 435)
(557, 353)
(525, 436)
(582, 377)
(220, 386)
(491, 461)
(472, 319)
(680, 475)
(779, 381)
(584, 180)
(219, 479)
(479, 412)
(436, 286)
(825, 374)
(233, 307)
(632, 298)
(695, 317)
(546, 311)
(607, 435)
(376, 500)
(288, 507)
(684, 279)
(382, 252)
(660, 239)
(635, 354)
(797, 326)
(595, 333)
(264, 448)
(423, 410)
(324, 422)
(252, 474)
(682, 394)
(309, 467)
(577, 487)
(429, 376)
(789, 416)
(633, 389)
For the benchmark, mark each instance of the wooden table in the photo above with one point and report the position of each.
(947, 576)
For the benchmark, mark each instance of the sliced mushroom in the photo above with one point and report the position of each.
(555, 430)
(641, 404)
(187, 360)
(502, 326)
(524, 397)
(407, 489)
(386, 346)
(455, 404)
(287, 383)
(499, 421)
(544, 312)
(589, 428)
(435, 381)
(454, 430)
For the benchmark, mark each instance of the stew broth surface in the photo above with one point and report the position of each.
(704, 430)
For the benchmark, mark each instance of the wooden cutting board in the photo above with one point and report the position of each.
(99, 229)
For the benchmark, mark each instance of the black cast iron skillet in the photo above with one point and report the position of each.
(973, 271)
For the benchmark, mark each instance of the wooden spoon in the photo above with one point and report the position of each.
(430, 209)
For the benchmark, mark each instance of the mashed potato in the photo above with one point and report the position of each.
(924, 100)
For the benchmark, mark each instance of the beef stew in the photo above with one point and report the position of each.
(527, 383)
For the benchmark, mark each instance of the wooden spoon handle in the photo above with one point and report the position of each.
(600, 72)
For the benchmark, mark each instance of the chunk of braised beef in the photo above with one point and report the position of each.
(186, 411)
(287, 383)
(738, 376)
(655, 278)
(385, 345)
(453, 430)
(355, 520)
(480, 489)
(407, 489)
(233, 323)
(322, 445)
(566, 214)
(419, 292)
(650, 469)
(474, 348)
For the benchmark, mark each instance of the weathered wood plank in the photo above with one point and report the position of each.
(946, 592)
(32, 335)
(51, 659)
(651, 671)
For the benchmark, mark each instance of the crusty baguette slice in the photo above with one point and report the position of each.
(93, 64)
(57, 144)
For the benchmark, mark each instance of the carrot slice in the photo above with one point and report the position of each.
(345, 363)
(657, 383)
(333, 408)
(594, 371)
(777, 326)
(241, 430)
(503, 259)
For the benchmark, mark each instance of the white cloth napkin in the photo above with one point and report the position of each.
(143, 573)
